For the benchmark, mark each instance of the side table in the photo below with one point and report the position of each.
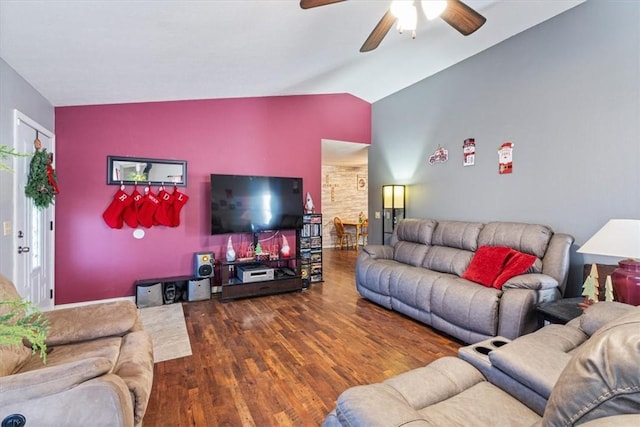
(559, 311)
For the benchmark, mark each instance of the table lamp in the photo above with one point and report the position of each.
(620, 238)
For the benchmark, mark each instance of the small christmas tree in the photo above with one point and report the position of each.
(608, 290)
(590, 286)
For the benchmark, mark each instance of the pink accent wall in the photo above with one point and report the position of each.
(277, 136)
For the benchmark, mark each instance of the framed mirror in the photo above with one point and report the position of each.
(131, 170)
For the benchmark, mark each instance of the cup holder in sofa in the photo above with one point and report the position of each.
(482, 350)
(478, 354)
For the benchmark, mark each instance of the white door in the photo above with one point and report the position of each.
(33, 232)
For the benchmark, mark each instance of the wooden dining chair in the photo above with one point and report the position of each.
(364, 232)
(343, 238)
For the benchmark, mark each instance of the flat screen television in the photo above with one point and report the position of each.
(252, 204)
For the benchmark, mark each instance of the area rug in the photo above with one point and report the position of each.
(168, 330)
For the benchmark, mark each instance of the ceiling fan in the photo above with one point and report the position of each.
(453, 12)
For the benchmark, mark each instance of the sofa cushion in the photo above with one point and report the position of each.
(602, 378)
(106, 348)
(415, 230)
(487, 264)
(12, 357)
(397, 400)
(412, 239)
(409, 253)
(529, 238)
(464, 303)
(481, 405)
(448, 391)
(457, 234)
(447, 260)
(412, 286)
(19, 388)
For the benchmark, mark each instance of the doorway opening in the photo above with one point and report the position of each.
(345, 184)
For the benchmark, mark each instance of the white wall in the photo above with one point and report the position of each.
(566, 92)
(15, 93)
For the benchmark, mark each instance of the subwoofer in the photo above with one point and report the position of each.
(203, 264)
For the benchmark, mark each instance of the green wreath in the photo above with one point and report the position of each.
(41, 184)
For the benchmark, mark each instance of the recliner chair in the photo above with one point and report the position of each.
(98, 372)
(587, 371)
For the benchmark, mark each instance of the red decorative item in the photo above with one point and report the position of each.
(626, 282)
(113, 214)
(179, 200)
(51, 176)
(486, 264)
(516, 264)
(148, 209)
(130, 214)
(505, 156)
(164, 213)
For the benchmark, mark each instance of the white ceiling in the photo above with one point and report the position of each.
(114, 51)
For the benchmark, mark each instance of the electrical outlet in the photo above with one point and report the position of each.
(377, 215)
(6, 228)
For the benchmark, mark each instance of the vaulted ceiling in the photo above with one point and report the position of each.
(101, 52)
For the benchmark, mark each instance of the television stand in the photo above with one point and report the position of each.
(283, 281)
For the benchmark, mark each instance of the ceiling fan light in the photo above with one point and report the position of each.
(399, 8)
(406, 13)
(433, 8)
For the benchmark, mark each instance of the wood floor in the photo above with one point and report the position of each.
(283, 360)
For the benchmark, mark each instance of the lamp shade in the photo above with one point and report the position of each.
(618, 238)
(393, 196)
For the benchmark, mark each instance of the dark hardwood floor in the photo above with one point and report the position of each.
(282, 360)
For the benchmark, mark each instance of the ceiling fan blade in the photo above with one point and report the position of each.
(308, 4)
(462, 17)
(379, 32)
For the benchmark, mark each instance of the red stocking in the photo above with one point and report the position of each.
(179, 200)
(113, 215)
(130, 214)
(164, 213)
(148, 209)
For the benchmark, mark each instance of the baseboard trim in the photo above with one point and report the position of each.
(80, 304)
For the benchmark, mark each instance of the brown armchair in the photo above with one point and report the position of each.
(98, 371)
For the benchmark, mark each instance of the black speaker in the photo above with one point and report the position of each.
(203, 264)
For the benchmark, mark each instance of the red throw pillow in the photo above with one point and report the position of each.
(486, 264)
(517, 263)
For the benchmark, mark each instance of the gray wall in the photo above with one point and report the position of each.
(15, 93)
(566, 93)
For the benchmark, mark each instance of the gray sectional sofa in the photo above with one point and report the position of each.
(420, 274)
(586, 372)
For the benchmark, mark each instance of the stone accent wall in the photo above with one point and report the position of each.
(341, 197)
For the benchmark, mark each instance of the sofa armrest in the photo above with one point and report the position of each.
(379, 251)
(135, 367)
(90, 322)
(534, 281)
(516, 315)
(598, 315)
(556, 259)
(533, 364)
(50, 380)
